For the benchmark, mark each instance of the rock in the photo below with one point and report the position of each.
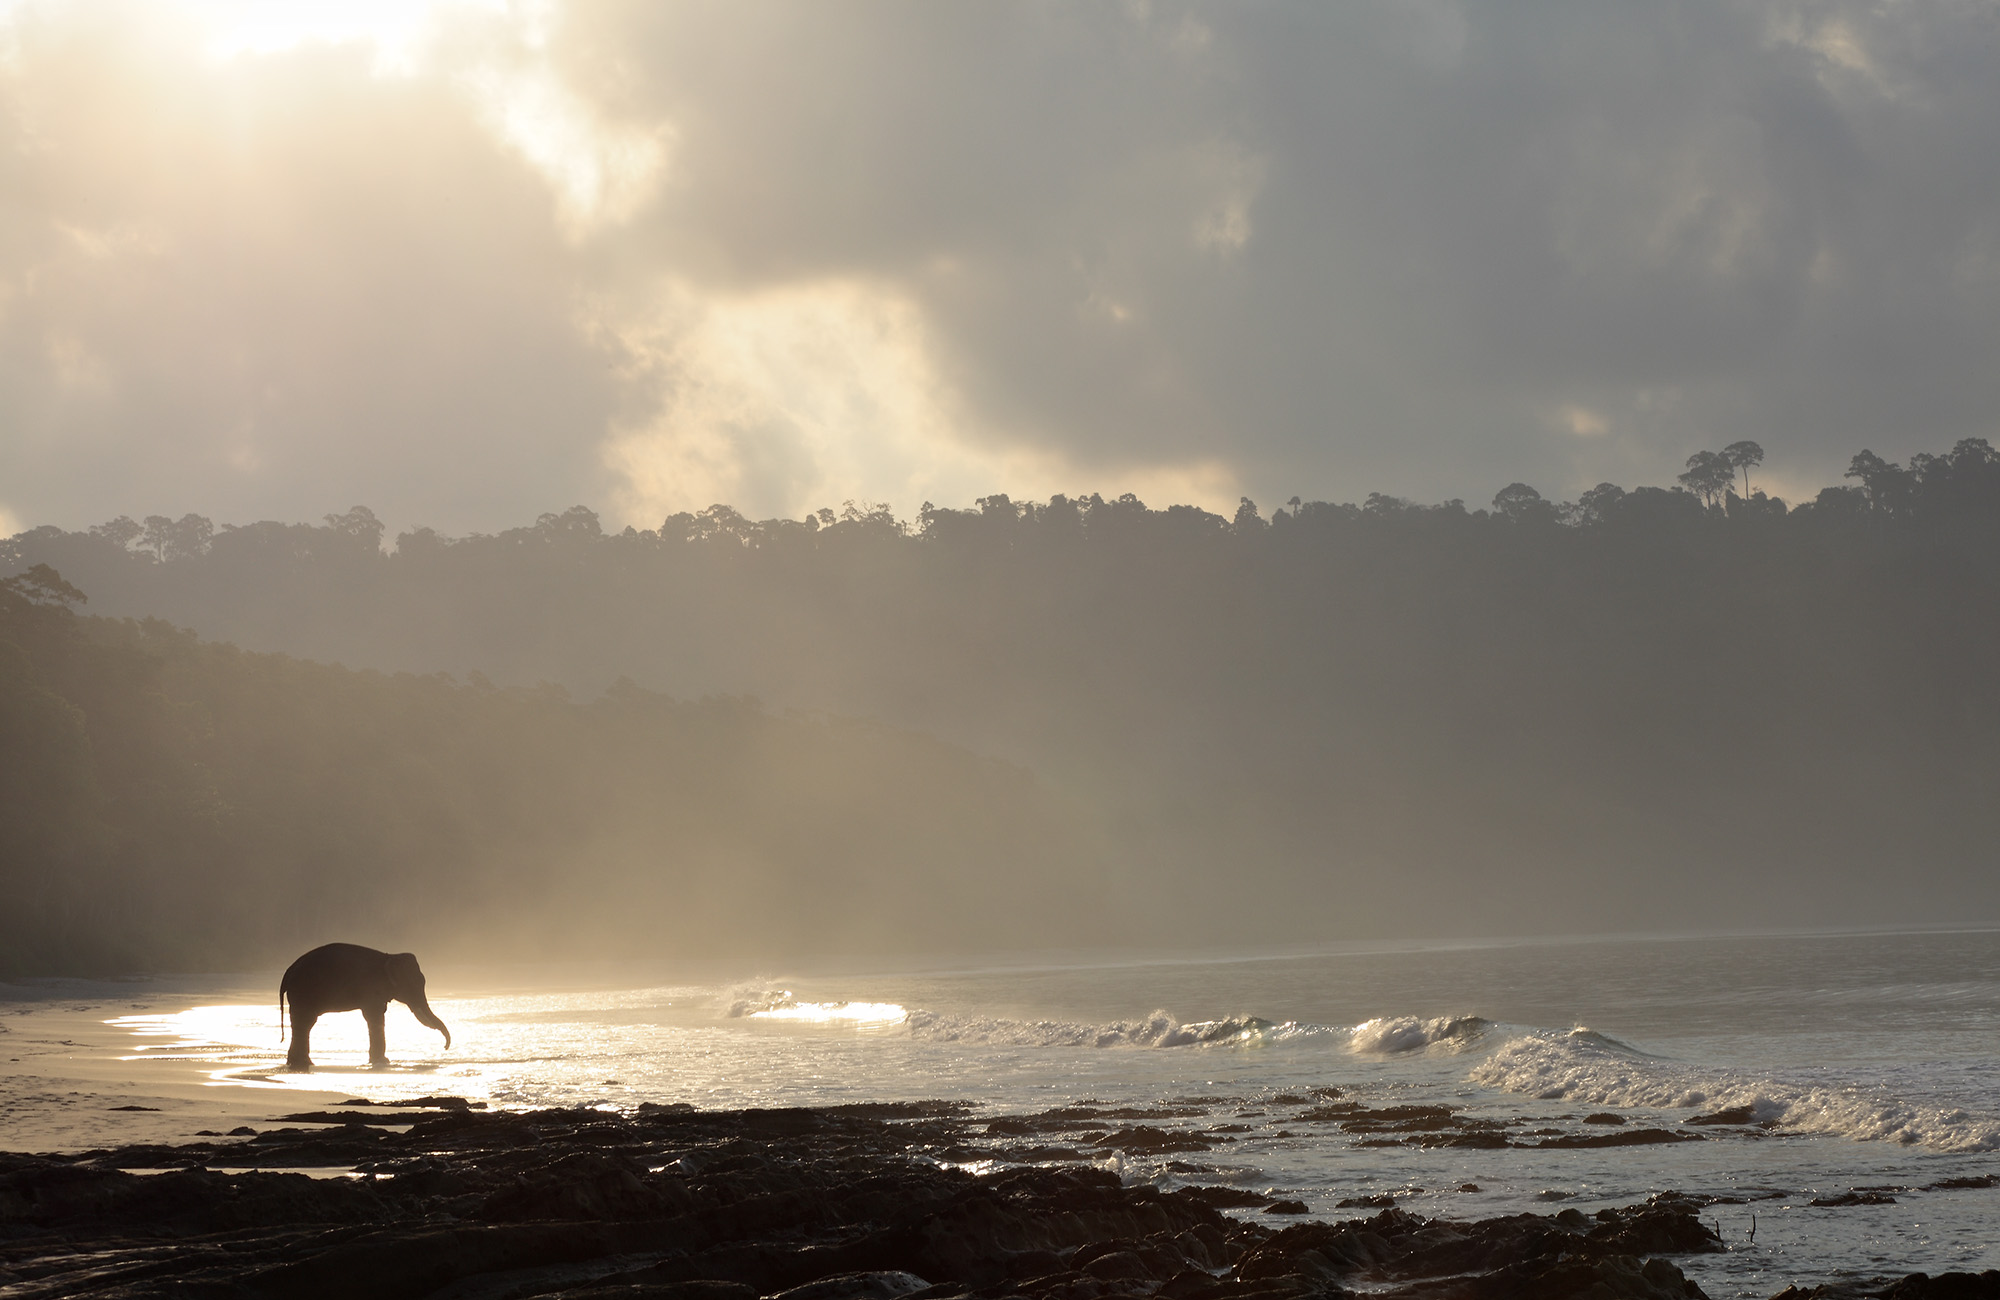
(1118, 1264)
(1614, 1277)
(1604, 1117)
(1288, 1207)
(1222, 1198)
(1945, 1286)
(847, 1203)
(1144, 1138)
(1637, 1137)
(700, 1289)
(857, 1286)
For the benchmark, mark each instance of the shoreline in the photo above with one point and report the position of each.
(862, 1202)
(154, 1172)
(903, 1201)
(72, 1082)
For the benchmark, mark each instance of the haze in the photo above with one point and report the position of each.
(469, 262)
(823, 444)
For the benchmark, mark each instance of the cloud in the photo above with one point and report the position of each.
(634, 254)
(820, 392)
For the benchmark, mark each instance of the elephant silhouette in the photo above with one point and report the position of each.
(348, 977)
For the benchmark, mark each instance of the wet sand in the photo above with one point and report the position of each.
(71, 1082)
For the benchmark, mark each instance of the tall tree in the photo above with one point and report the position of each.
(1709, 475)
(1741, 456)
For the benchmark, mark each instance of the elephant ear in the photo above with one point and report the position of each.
(403, 968)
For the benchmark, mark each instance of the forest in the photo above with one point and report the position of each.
(170, 803)
(1690, 706)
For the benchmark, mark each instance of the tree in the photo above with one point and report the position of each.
(42, 587)
(175, 539)
(1741, 456)
(1709, 476)
(119, 532)
(1596, 505)
(359, 526)
(1523, 505)
(1888, 485)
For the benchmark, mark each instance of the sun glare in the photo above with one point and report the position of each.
(398, 29)
(837, 1013)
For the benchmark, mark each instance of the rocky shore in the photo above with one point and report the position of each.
(875, 1202)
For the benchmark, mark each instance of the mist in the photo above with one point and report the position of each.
(772, 480)
(1068, 722)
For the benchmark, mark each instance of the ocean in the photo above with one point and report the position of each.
(1464, 1080)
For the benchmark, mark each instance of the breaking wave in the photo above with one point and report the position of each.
(1401, 1035)
(1160, 1029)
(1383, 1036)
(1588, 1068)
(765, 1005)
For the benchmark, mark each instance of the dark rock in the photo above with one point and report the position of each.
(1398, 1119)
(1666, 1226)
(848, 1203)
(1915, 1286)
(1288, 1207)
(1637, 1137)
(700, 1289)
(1855, 1198)
(890, 1285)
(1945, 1286)
(1145, 1138)
(1615, 1277)
(1118, 1264)
(1478, 1139)
(1380, 1201)
(1604, 1117)
(1035, 1263)
(1222, 1198)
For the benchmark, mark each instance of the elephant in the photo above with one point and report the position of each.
(348, 977)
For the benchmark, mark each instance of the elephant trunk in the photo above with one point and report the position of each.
(421, 1008)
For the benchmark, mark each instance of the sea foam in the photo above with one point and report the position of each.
(1160, 1029)
(1587, 1068)
(1402, 1035)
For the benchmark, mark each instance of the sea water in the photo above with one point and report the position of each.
(1855, 1062)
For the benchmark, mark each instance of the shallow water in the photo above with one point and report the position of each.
(1871, 1058)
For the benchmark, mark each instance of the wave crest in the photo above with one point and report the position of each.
(1590, 1069)
(1160, 1029)
(1400, 1035)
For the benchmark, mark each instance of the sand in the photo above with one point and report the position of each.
(69, 1081)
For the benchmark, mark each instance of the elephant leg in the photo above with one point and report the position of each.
(378, 1043)
(300, 1056)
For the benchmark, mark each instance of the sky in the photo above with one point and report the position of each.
(468, 262)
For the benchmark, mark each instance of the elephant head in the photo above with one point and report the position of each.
(406, 983)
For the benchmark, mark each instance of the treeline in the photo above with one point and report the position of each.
(1673, 706)
(167, 802)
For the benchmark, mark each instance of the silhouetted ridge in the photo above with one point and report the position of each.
(1657, 707)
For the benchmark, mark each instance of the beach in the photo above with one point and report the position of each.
(1706, 1092)
(73, 1082)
